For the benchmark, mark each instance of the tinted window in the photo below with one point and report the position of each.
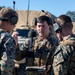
(23, 33)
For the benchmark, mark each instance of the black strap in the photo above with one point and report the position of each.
(40, 59)
(1, 43)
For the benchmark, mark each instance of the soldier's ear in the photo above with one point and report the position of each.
(50, 27)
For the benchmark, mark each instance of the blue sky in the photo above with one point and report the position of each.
(56, 7)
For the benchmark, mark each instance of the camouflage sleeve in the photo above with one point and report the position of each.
(8, 55)
(25, 45)
(22, 52)
(60, 63)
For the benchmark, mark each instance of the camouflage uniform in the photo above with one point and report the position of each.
(41, 50)
(20, 55)
(64, 57)
(7, 53)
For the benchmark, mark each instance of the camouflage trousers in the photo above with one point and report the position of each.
(5, 73)
(36, 73)
(21, 70)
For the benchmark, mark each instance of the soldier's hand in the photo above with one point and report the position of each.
(48, 69)
(15, 36)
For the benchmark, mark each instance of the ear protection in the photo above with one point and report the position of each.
(13, 19)
(57, 28)
(35, 21)
(3, 19)
(32, 33)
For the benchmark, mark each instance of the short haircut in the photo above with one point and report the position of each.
(43, 18)
(64, 19)
(7, 12)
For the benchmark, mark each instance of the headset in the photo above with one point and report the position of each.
(13, 19)
(32, 33)
(35, 21)
(57, 28)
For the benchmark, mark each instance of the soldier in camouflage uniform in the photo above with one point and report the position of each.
(64, 56)
(43, 46)
(7, 43)
(20, 59)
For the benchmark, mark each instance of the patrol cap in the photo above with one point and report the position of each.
(8, 14)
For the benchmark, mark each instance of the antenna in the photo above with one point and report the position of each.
(28, 13)
(14, 5)
(47, 13)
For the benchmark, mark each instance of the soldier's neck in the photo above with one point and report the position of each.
(42, 38)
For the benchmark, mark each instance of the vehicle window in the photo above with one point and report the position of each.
(23, 33)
